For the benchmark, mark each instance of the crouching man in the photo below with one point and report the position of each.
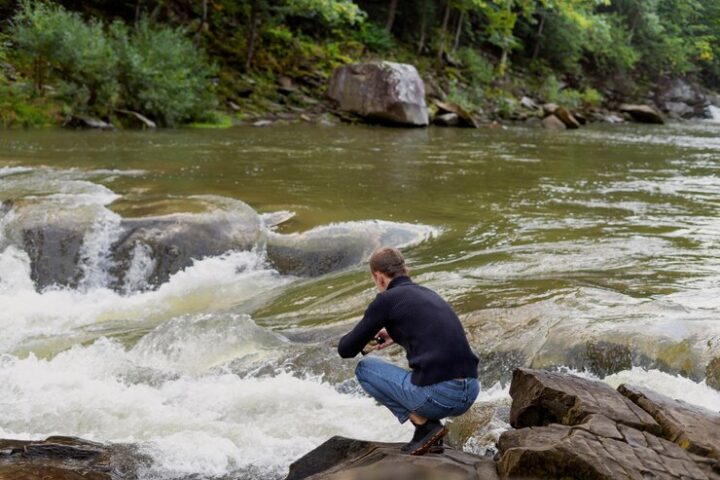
(442, 381)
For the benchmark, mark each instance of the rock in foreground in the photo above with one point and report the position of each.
(67, 458)
(577, 428)
(383, 92)
(346, 459)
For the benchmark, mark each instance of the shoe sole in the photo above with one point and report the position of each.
(423, 449)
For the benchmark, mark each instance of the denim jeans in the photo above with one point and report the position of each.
(391, 386)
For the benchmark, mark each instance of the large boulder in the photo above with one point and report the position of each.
(541, 397)
(642, 113)
(347, 459)
(694, 428)
(577, 428)
(383, 92)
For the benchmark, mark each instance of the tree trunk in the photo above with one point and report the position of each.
(536, 50)
(423, 29)
(391, 15)
(443, 32)
(205, 25)
(252, 33)
(458, 30)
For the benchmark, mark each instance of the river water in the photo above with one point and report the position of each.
(595, 250)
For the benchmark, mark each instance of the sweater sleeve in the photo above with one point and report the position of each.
(372, 322)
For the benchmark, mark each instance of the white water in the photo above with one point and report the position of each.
(157, 367)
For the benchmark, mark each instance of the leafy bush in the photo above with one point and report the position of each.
(59, 43)
(375, 38)
(162, 73)
(152, 69)
(478, 68)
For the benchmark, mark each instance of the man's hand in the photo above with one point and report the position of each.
(387, 339)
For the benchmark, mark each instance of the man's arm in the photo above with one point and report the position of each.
(372, 322)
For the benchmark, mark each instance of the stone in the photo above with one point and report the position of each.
(551, 122)
(541, 398)
(529, 103)
(68, 458)
(567, 118)
(694, 428)
(262, 123)
(712, 373)
(347, 459)
(446, 120)
(384, 92)
(642, 113)
(549, 108)
(680, 109)
(559, 451)
(465, 118)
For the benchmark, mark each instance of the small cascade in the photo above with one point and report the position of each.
(96, 252)
(714, 113)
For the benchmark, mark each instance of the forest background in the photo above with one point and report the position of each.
(214, 62)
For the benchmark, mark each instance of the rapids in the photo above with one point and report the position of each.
(184, 290)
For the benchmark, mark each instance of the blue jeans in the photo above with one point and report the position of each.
(391, 386)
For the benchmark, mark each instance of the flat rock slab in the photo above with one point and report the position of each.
(346, 459)
(67, 458)
(559, 451)
(541, 398)
(694, 428)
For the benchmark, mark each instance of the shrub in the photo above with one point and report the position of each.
(478, 68)
(60, 44)
(375, 38)
(162, 73)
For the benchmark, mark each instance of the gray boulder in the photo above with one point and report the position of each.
(383, 92)
(642, 113)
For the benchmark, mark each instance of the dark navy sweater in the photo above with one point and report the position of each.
(424, 324)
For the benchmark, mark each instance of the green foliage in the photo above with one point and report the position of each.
(478, 68)
(155, 70)
(162, 73)
(375, 38)
(332, 13)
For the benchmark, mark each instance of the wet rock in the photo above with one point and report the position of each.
(54, 253)
(446, 120)
(567, 118)
(694, 428)
(712, 373)
(601, 358)
(465, 118)
(383, 92)
(68, 458)
(551, 122)
(347, 459)
(642, 113)
(683, 98)
(541, 397)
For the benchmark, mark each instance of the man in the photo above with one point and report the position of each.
(443, 378)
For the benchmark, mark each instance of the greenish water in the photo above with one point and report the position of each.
(549, 243)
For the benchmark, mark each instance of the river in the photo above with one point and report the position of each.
(595, 250)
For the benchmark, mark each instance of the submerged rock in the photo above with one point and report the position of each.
(383, 92)
(346, 459)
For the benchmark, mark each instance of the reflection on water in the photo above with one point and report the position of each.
(595, 249)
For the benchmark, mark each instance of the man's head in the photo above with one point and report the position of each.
(386, 263)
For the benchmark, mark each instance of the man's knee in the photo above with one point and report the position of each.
(363, 368)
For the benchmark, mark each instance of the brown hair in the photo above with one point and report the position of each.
(388, 261)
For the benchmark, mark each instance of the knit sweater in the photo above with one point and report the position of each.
(424, 324)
